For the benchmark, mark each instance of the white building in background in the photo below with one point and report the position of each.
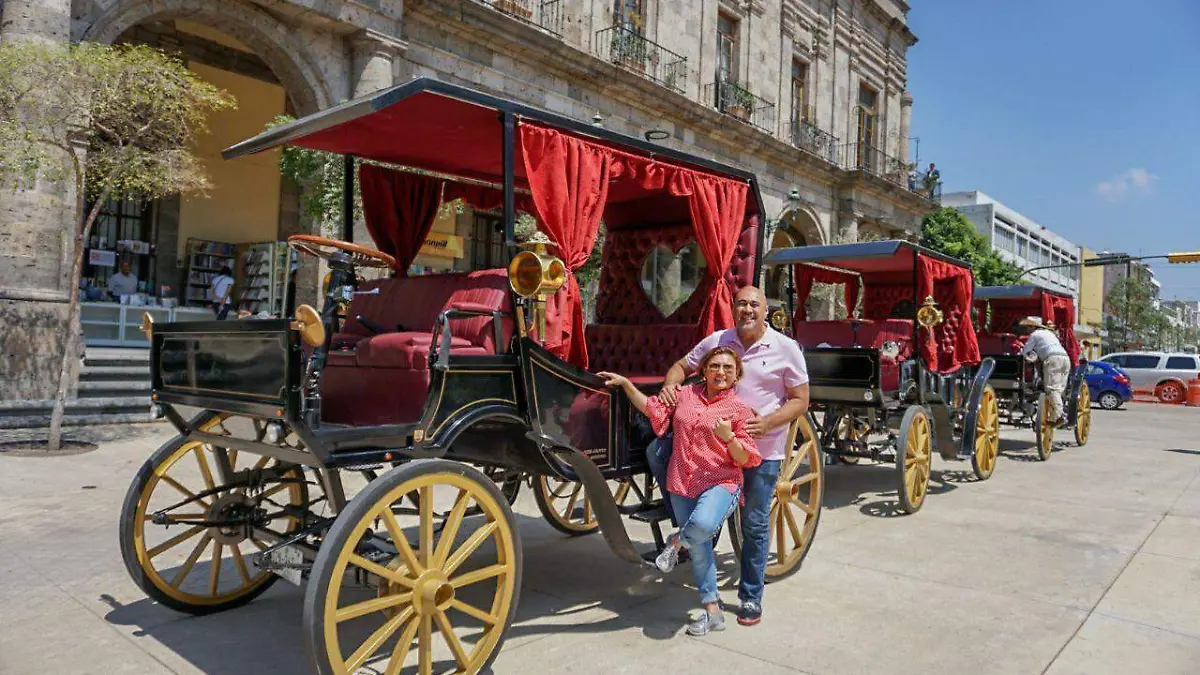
(1021, 240)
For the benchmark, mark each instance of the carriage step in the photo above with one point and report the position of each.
(651, 514)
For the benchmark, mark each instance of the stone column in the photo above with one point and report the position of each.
(906, 101)
(371, 68)
(36, 241)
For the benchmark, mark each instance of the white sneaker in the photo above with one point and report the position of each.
(668, 557)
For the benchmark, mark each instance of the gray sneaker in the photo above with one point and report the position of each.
(706, 623)
(667, 559)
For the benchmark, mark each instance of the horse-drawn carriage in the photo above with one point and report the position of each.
(1017, 381)
(418, 384)
(905, 368)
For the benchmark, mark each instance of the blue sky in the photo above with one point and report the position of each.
(1084, 115)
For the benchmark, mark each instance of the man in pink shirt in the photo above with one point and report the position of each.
(775, 385)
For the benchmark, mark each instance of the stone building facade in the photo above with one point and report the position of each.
(809, 94)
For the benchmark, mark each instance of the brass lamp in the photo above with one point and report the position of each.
(929, 315)
(534, 273)
(308, 322)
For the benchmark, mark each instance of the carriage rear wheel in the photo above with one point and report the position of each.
(914, 457)
(1043, 428)
(987, 435)
(385, 584)
(162, 544)
(1083, 415)
(565, 505)
(795, 507)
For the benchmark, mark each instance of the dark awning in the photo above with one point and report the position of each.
(1016, 291)
(865, 258)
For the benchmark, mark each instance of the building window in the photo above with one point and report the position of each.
(727, 48)
(119, 221)
(487, 242)
(629, 14)
(867, 98)
(799, 98)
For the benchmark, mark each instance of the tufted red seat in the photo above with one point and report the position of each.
(382, 378)
(998, 345)
(642, 353)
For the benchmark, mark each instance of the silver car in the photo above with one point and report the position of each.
(1166, 375)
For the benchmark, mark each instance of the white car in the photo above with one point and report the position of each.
(1165, 374)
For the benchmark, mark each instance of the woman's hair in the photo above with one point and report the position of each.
(717, 351)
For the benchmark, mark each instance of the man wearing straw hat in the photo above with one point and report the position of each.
(1044, 345)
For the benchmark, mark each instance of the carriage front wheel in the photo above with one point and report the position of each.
(914, 457)
(191, 520)
(1043, 428)
(795, 507)
(1083, 415)
(987, 435)
(386, 584)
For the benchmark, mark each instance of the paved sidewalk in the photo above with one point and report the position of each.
(1086, 564)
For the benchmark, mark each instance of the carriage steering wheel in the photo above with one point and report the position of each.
(322, 247)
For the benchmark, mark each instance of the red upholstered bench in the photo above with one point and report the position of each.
(999, 345)
(643, 353)
(382, 378)
(812, 334)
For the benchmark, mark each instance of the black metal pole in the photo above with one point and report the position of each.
(1128, 280)
(510, 127)
(348, 200)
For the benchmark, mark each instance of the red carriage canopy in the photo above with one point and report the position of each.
(1010, 304)
(575, 178)
(895, 274)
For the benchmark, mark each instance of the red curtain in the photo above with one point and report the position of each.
(569, 179)
(399, 208)
(1062, 312)
(806, 275)
(484, 198)
(718, 209)
(948, 346)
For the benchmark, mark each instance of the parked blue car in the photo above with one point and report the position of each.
(1108, 384)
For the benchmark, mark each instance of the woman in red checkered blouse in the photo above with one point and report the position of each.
(704, 478)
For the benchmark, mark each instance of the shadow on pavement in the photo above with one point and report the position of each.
(855, 485)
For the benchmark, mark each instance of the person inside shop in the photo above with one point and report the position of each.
(124, 282)
(222, 292)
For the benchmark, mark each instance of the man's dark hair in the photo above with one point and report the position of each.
(226, 271)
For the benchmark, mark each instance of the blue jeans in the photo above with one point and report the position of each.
(658, 456)
(759, 485)
(702, 517)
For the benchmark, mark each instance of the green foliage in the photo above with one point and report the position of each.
(1133, 315)
(948, 231)
(134, 109)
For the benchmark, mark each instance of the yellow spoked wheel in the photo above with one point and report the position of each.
(1083, 415)
(564, 504)
(187, 541)
(1043, 428)
(389, 590)
(851, 428)
(987, 435)
(914, 457)
(796, 506)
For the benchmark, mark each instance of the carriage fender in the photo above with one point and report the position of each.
(967, 444)
(612, 526)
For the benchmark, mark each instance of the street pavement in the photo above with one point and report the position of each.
(1086, 564)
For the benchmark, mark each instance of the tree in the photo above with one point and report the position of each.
(1132, 313)
(948, 231)
(117, 120)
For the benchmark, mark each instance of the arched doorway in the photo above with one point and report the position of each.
(796, 228)
(249, 208)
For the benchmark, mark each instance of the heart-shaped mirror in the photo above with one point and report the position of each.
(669, 277)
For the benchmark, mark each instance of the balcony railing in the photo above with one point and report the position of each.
(545, 14)
(872, 160)
(810, 137)
(626, 48)
(734, 101)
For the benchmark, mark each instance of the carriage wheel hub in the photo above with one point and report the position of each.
(786, 490)
(239, 510)
(432, 593)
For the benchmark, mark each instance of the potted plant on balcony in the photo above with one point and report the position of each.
(739, 103)
(519, 8)
(628, 49)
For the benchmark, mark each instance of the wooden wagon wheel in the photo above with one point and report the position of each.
(987, 435)
(565, 505)
(1083, 415)
(1043, 428)
(796, 506)
(914, 456)
(162, 551)
(851, 429)
(449, 596)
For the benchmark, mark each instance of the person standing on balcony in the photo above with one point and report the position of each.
(932, 178)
